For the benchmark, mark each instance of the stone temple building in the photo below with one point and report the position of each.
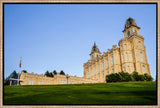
(128, 57)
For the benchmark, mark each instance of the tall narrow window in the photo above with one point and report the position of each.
(122, 58)
(98, 67)
(107, 63)
(135, 31)
(112, 70)
(103, 76)
(88, 73)
(29, 82)
(130, 56)
(124, 69)
(141, 55)
(121, 47)
(103, 65)
(91, 72)
(143, 69)
(108, 72)
(112, 60)
(128, 33)
(139, 44)
(95, 69)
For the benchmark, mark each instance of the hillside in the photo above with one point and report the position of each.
(140, 93)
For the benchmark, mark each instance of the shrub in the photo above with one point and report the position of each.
(135, 76)
(147, 77)
(125, 77)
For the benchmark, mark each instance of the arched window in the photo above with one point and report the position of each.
(122, 58)
(107, 63)
(107, 72)
(121, 47)
(141, 55)
(103, 76)
(92, 57)
(143, 69)
(128, 68)
(98, 67)
(139, 44)
(125, 46)
(91, 72)
(113, 70)
(88, 73)
(126, 56)
(130, 57)
(128, 33)
(112, 60)
(29, 82)
(124, 69)
(97, 56)
(135, 31)
(103, 65)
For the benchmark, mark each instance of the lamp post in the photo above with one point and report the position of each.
(67, 76)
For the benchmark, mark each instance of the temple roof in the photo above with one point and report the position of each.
(130, 22)
(95, 48)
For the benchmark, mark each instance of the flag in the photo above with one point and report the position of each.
(20, 64)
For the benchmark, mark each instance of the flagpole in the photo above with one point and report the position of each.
(19, 72)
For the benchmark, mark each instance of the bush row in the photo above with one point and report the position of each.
(125, 77)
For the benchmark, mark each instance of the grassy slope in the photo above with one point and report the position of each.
(110, 93)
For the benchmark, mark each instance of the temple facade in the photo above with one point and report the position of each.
(128, 57)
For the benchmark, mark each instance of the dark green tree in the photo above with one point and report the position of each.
(147, 77)
(135, 76)
(141, 77)
(24, 71)
(62, 73)
(51, 74)
(47, 73)
(12, 75)
(54, 72)
(124, 76)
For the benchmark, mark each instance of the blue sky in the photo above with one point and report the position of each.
(60, 36)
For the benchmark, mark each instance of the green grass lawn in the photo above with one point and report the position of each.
(138, 93)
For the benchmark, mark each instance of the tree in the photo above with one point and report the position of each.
(54, 72)
(141, 77)
(135, 76)
(147, 77)
(24, 71)
(124, 76)
(51, 74)
(47, 74)
(12, 75)
(62, 73)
